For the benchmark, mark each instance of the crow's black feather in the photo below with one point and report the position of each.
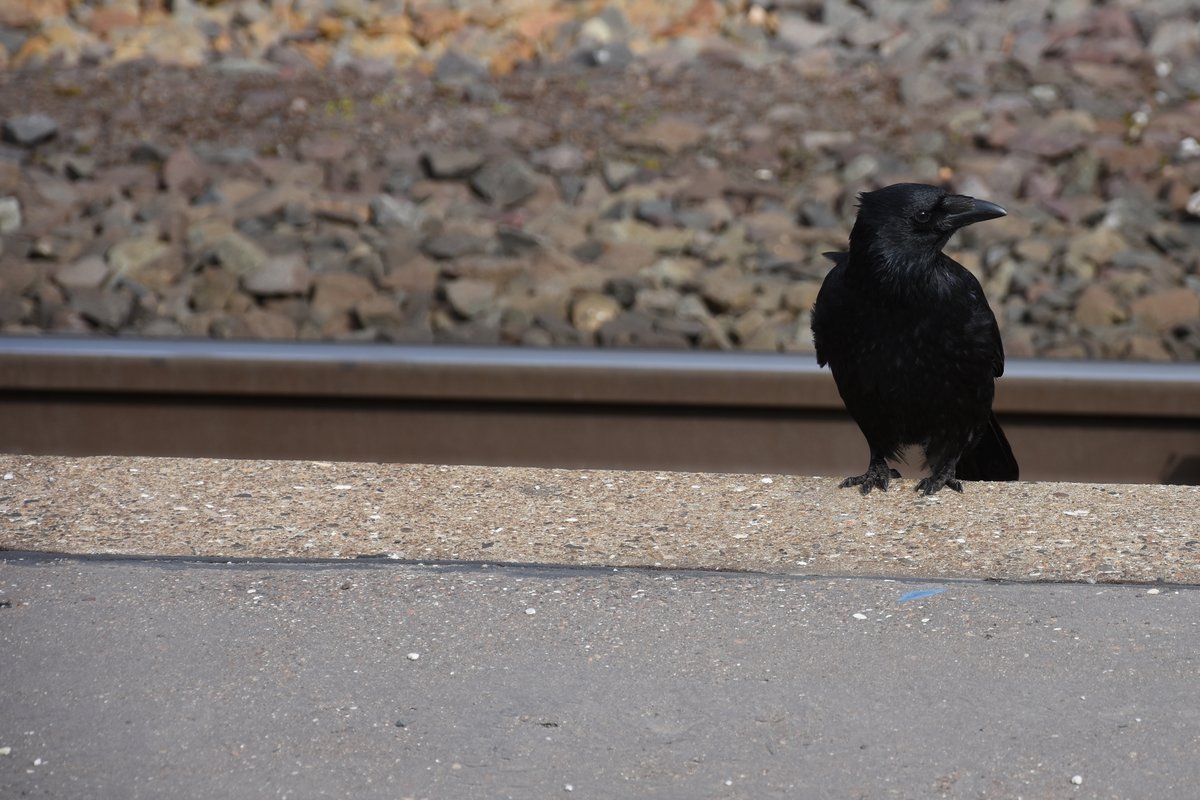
(911, 341)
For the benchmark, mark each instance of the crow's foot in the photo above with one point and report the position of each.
(932, 484)
(879, 474)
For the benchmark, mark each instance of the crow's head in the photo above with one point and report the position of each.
(913, 220)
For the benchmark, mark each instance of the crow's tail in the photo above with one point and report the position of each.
(991, 459)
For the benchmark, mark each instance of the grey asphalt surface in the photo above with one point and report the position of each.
(177, 678)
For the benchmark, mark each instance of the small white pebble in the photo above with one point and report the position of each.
(1081, 512)
(1152, 591)
(37, 762)
(413, 656)
(5, 751)
(1077, 780)
(568, 788)
(768, 480)
(860, 616)
(8, 476)
(531, 611)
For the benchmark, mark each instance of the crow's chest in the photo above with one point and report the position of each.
(912, 353)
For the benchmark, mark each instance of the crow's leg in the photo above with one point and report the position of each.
(942, 476)
(942, 457)
(877, 474)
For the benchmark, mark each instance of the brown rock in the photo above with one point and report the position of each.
(727, 289)
(347, 210)
(1168, 309)
(668, 134)
(1093, 249)
(1097, 307)
(1064, 133)
(330, 147)
(1146, 348)
(262, 324)
(184, 173)
(415, 273)
(432, 23)
(799, 297)
(212, 289)
(338, 292)
(379, 311)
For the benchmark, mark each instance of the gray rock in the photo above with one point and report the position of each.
(78, 167)
(615, 55)
(13, 309)
(659, 213)
(239, 254)
(279, 275)
(470, 297)
(86, 273)
(796, 32)
(149, 152)
(30, 130)
(456, 68)
(144, 259)
(816, 214)
(109, 310)
(618, 174)
(561, 158)
(10, 215)
(453, 244)
(388, 211)
(451, 163)
(506, 182)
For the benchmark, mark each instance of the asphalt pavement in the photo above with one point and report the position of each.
(150, 678)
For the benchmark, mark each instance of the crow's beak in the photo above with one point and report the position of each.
(965, 210)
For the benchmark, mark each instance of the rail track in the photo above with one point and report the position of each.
(731, 412)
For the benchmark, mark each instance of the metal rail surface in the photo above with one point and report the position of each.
(732, 412)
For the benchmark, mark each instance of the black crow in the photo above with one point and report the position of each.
(910, 339)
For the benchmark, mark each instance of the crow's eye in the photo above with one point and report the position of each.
(922, 217)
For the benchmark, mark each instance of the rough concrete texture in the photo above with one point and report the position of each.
(776, 523)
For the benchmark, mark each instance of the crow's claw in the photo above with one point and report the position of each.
(877, 475)
(930, 485)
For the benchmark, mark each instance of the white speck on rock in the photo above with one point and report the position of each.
(1079, 512)
(413, 656)
(860, 616)
(5, 751)
(531, 611)
(1152, 591)
(8, 476)
(1077, 780)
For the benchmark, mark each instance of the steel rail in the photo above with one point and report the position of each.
(738, 412)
